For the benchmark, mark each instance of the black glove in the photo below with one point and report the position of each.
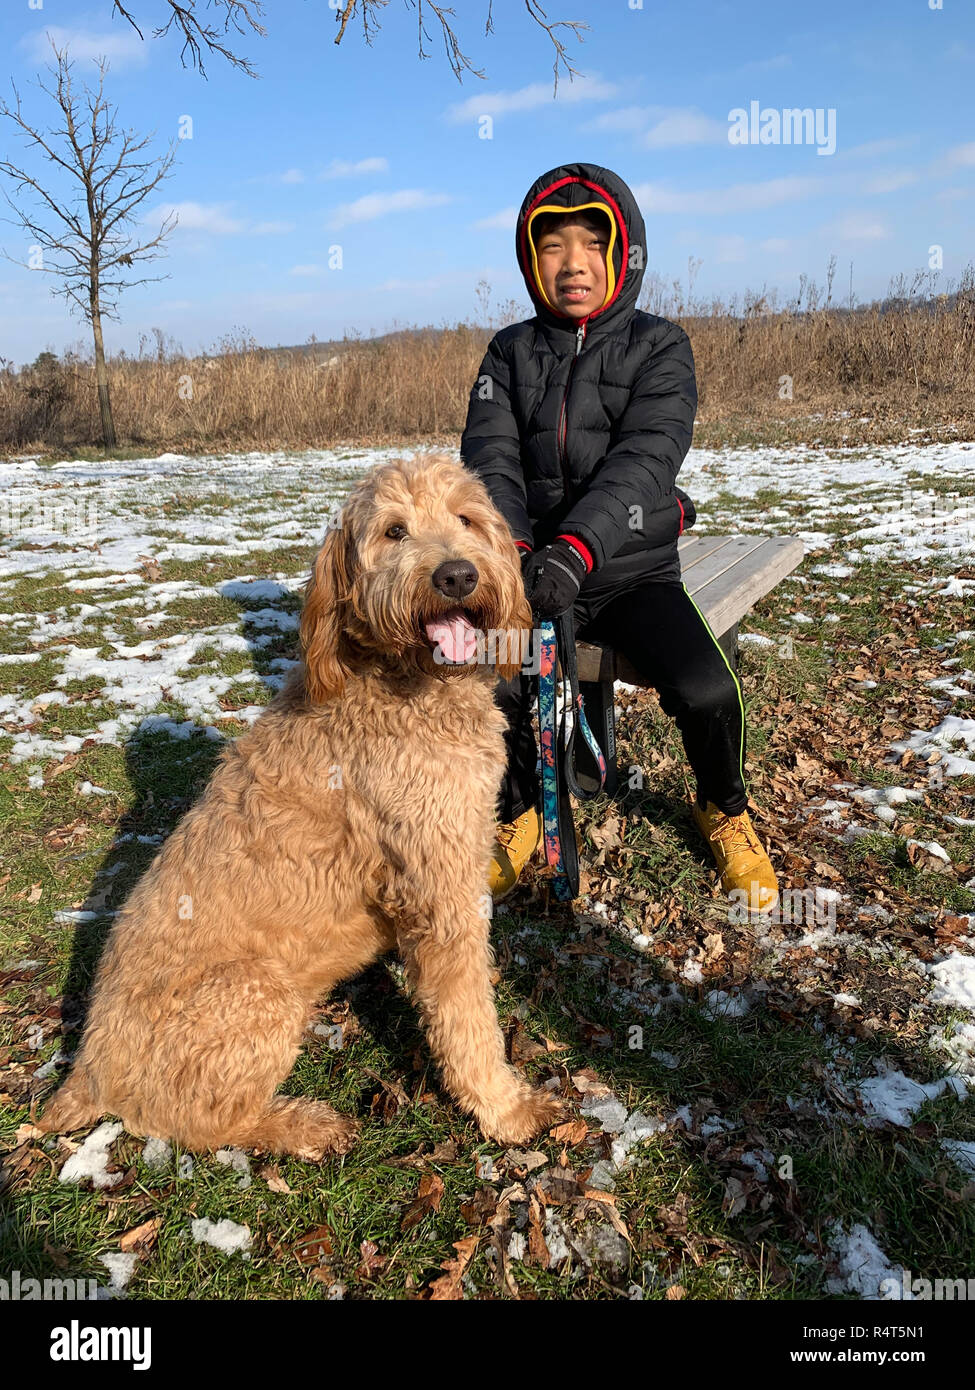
(553, 579)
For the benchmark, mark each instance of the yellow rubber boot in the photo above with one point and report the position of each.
(744, 865)
(516, 843)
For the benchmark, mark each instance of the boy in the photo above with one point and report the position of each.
(578, 424)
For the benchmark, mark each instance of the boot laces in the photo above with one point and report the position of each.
(507, 834)
(735, 833)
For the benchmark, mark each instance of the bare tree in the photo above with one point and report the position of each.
(202, 36)
(83, 227)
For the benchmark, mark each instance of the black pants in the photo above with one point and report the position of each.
(655, 624)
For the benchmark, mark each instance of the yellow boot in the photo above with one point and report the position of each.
(516, 843)
(744, 865)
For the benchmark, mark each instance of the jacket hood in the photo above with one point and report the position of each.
(578, 186)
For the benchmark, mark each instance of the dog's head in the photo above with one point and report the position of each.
(421, 570)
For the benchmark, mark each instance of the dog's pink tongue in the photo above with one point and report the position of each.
(453, 634)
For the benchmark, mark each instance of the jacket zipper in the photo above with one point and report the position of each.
(562, 427)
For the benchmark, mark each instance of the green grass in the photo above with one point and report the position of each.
(782, 1078)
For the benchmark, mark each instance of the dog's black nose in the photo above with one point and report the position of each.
(455, 578)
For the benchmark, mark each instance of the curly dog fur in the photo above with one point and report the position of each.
(356, 816)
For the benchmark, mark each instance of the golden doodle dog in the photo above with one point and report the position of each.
(356, 816)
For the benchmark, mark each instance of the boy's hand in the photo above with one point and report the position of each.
(553, 577)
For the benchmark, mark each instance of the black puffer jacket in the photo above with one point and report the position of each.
(580, 426)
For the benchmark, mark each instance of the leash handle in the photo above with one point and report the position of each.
(560, 847)
(557, 644)
(566, 641)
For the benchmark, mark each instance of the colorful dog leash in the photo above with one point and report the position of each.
(557, 646)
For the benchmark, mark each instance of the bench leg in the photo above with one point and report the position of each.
(598, 703)
(729, 645)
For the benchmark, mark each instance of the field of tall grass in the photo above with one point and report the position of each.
(767, 372)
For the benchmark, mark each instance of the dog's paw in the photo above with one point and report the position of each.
(535, 1110)
(331, 1141)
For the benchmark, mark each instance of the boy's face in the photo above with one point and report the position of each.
(572, 266)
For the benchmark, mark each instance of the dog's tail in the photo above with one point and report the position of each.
(72, 1107)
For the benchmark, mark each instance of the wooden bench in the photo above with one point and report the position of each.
(725, 576)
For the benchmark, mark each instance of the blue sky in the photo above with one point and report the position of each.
(377, 152)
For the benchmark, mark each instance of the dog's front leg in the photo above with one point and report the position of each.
(447, 951)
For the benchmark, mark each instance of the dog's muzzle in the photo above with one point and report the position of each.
(454, 634)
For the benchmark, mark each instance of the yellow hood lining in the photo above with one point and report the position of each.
(563, 211)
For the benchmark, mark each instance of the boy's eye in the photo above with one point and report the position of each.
(396, 532)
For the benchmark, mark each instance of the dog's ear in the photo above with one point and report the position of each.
(323, 617)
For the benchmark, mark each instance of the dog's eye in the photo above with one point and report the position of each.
(465, 520)
(397, 532)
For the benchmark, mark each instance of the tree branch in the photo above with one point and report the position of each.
(243, 16)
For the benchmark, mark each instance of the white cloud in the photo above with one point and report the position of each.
(662, 127)
(961, 155)
(530, 98)
(871, 148)
(215, 219)
(292, 176)
(200, 217)
(738, 197)
(776, 245)
(781, 60)
(625, 118)
(859, 226)
(434, 282)
(890, 183)
(121, 48)
(375, 205)
(343, 168)
(686, 127)
(499, 221)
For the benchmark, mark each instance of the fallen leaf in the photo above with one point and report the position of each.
(313, 1248)
(272, 1176)
(589, 1083)
(538, 1253)
(449, 1287)
(572, 1132)
(372, 1262)
(141, 1238)
(481, 1207)
(427, 1199)
(65, 765)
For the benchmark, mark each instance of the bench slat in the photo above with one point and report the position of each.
(726, 598)
(731, 558)
(725, 575)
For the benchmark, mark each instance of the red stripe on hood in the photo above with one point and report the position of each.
(624, 238)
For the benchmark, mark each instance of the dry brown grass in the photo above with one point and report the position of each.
(863, 377)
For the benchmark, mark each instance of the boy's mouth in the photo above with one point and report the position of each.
(575, 294)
